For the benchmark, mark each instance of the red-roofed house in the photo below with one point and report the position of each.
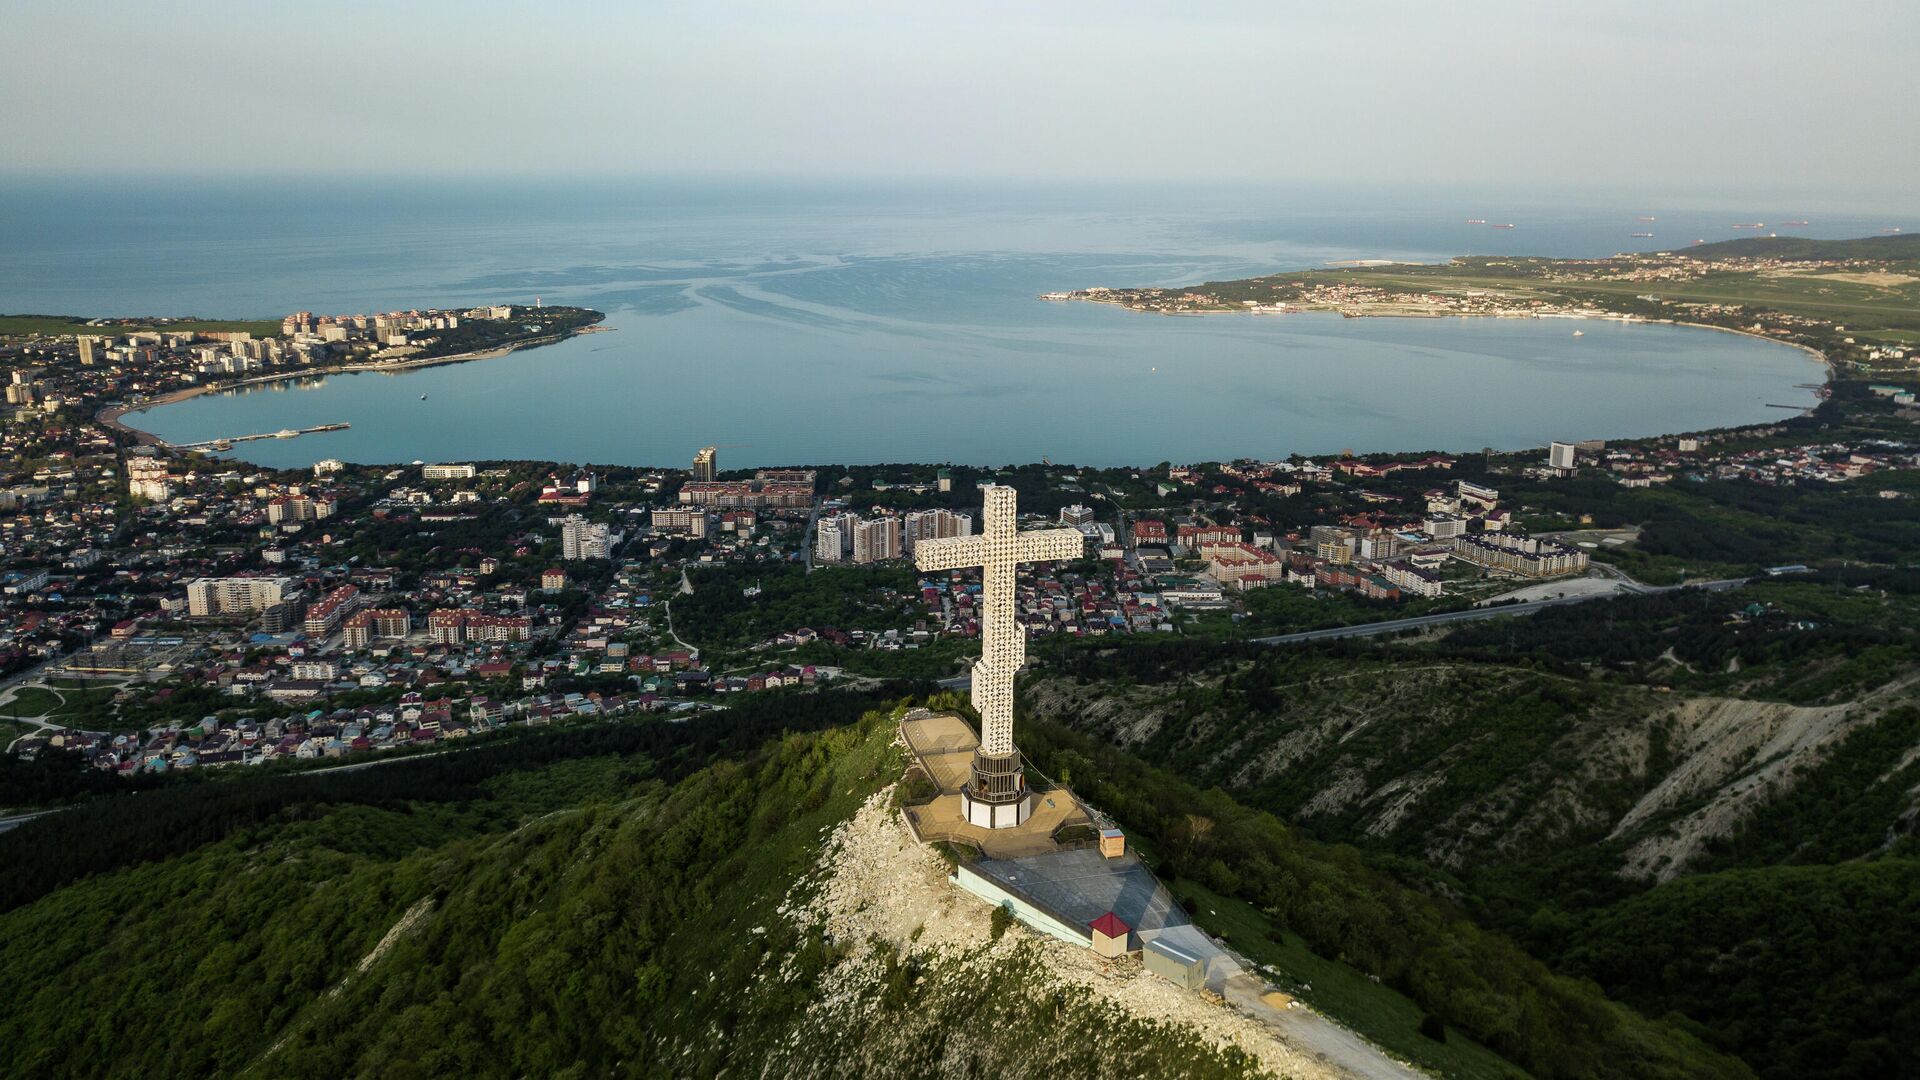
(1110, 936)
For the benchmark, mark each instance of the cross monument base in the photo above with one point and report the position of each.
(997, 797)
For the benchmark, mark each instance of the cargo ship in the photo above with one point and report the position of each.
(1754, 225)
(1509, 225)
(1796, 223)
(1649, 217)
(1476, 221)
(1643, 236)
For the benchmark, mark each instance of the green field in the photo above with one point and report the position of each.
(10, 731)
(53, 325)
(31, 701)
(68, 703)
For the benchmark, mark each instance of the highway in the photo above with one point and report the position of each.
(8, 823)
(1421, 622)
(806, 537)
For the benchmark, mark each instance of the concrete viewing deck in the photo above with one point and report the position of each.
(1078, 886)
(943, 744)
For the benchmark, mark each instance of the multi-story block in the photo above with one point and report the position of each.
(876, 540)
(582, 539)
(362, 627)
(933, 525)
(326, 613)
(681, 522)
(234, 595)
(1523, 555)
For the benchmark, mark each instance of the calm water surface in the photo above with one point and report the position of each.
(838, 325)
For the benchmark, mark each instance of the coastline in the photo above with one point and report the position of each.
(112, 416)
(1819, 357)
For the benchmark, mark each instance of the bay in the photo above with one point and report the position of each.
(816, 323)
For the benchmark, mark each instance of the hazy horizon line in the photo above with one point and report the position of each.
(1884, 197)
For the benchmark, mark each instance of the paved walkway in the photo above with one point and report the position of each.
(1229, 974)
(944, 745)
(43, 723)
(1333, 1045)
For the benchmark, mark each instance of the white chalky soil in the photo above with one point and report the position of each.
(873, 880)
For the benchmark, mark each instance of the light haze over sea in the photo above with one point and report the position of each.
(817, 322)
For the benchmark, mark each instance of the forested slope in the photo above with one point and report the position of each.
(1697, 800)
(621, 899)
(578, 916)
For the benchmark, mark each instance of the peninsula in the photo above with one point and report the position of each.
(1854, 302)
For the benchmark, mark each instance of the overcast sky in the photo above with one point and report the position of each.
(1753, 95)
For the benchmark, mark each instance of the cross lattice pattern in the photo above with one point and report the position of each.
(998, 550)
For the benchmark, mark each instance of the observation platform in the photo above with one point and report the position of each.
(943, 745)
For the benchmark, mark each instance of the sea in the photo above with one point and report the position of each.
(809, 321)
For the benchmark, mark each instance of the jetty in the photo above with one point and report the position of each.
(227, 442)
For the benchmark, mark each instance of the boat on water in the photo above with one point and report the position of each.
(1643, 236)
(1753, 225)
(1476, 221)
(1508, 225)
(1579, 333)
(1796, 223)
(1648, 217)
(423, 397)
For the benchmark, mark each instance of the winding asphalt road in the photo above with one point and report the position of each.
(1422, 622)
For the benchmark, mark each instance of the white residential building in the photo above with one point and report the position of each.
(234, 595)
(833, 538)
(583, 539)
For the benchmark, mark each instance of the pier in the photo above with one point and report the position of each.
(283, 433)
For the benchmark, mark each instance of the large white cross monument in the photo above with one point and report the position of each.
(997, 797)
